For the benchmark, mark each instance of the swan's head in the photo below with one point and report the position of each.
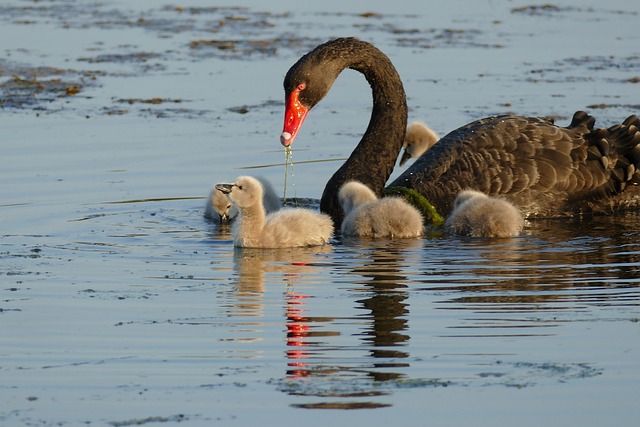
(222, 206)
(307, 82)
(245, 192)
(354, 193)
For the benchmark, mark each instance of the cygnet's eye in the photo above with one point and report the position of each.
(229, 206)
(239, 187)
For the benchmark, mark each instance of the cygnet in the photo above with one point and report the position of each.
(368, 216)
(287, 227)
(220, 209)
(477, 215)
(418, 139)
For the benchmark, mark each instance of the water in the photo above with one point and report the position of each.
(121, 305)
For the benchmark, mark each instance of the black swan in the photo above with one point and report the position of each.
(368, 216)
(285, 228)
(220, 209)
(544, 169)
(417, 140)
(477, 215)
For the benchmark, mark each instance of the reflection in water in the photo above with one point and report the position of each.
(251, 266)
(302, 334)
(348, 341)
(386, 285)
(247, 298)
(324, 348)
(297, 331)
(289, 265)
(560, 267)
(372, 269)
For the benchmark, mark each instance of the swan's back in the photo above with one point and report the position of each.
(543, 169)
(477, 215)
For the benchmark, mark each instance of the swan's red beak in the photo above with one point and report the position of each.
(294, 115)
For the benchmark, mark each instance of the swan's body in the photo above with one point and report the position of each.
(477, 215)
(544, 169)
(220, 209)
(368, 216)
(417, 140)
(288, 227)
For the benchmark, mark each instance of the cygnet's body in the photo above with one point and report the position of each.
(288, 227)
(417, 140)
(477, 215)
(220, 209)
(368, 216)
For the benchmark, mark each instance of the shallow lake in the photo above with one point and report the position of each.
(121, 305)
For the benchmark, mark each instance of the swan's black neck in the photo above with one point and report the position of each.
(373, 159)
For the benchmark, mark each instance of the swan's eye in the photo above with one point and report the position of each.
(302, 86)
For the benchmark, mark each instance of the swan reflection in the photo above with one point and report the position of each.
(346, 318)
(351, 365)
(251, 265)
(549, 269)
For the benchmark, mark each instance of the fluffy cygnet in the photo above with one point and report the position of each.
(220, 209)
(477, 215)
(353, 194)
(418, 139)
(288, 227)
(368, 216)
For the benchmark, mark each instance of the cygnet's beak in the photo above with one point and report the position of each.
(405, 156)
(224, 188)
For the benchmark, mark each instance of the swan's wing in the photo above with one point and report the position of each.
(532, 162)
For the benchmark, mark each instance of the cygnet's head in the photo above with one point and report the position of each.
(245, 192)
(418, 139)
(354, 193)
(223, 206)
(466, 195)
